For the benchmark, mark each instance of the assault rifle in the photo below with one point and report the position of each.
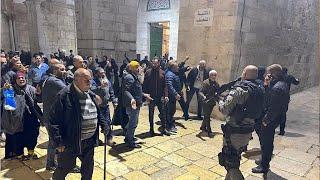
(227, 86)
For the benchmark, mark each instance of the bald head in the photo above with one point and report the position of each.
(53, 61)
(82, 79)
(58, 70)
(202, 65)
(250, 72)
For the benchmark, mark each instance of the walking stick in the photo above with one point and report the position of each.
(105, 157)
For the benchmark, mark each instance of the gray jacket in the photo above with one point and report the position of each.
(50, 88)
(106, 93)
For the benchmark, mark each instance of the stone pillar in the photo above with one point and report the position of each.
(52, 25)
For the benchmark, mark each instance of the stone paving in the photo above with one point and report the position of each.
(192, 155)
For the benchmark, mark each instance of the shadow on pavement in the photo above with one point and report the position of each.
(252, 154)
(291, 134)
(29, 169)
(272, 175)
(43, 145)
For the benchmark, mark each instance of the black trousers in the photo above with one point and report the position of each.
(189, 98)
(31, 127)
(266, 141)
(184, 106)
(283, 120)
(156, 102)
(207, 110)
(14, 145)
(67, 161)
(171, 110)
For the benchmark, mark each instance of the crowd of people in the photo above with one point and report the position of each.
(75, 92)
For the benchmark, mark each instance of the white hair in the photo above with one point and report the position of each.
(202, 62)
(212, 72)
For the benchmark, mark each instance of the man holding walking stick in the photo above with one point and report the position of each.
(73, 125)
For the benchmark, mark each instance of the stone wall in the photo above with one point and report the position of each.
(214, 42)
(17, 13)
(278, 31)
(21, 27)
(5, 34)
(51, 25)
(143, 28)
(107, 27)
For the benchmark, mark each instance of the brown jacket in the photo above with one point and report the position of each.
(155, 83)
(209, 90)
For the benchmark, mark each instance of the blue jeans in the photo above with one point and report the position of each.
(105, 111)
(132, 124)
(171, 110)
(51, 151)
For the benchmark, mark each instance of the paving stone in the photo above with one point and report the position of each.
(139, 160)
(287, 165)
(276, 173)
(20, 172)
(155, 152)
(169, 146)
(247, 166)
(44, 173)
(299, 156)
(163, 164)
(314, 173)
(170, 172)
(136, 175)
(10, 164)
(206, 163)
(99, 157)
(73, 176)
(116, 168)
(251, 177)
(201, 173)
(151, 169)
(188, 176)
(155, 140)
(315, 150)
(189, 140)
(187, 153)
(177, 160)
(98, 174)
(219, 170)
(205, 149)
(37, 164)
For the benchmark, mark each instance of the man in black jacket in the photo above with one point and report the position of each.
(289, 79)
(194, 83)
(155, 84)
(74, 122)
(277, 100)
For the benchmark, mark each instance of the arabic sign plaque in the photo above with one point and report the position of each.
(203, 17)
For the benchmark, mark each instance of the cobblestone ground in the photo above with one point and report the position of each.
(191, 155)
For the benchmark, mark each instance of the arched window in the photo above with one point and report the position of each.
(158, 4)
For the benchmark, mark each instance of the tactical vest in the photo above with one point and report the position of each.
(254, 105)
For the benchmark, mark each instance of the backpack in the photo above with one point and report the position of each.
(254, 106)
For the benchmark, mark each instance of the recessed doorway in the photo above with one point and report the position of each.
(159, 39)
